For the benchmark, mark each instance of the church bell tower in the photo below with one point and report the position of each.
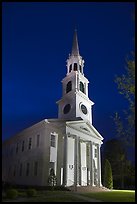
(75, 104)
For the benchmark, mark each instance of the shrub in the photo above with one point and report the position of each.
(52, 179)
(31, 192)
(108, 179)
(12, 193)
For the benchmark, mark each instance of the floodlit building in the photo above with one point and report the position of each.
(69, 144)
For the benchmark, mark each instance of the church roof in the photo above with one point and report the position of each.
(75, 48)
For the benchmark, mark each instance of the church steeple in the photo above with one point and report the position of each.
(75, 103)
(75, 48)
(75, 61)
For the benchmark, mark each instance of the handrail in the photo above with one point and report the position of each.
(73, 183)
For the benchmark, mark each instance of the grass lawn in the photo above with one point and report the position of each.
(113, 196)
(54, 196)
(47, 196)
(55, 199)
(66, 196)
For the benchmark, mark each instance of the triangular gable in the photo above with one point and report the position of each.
(85, 127)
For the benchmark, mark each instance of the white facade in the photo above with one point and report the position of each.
(70, 144)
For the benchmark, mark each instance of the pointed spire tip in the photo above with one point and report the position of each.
(75, 48)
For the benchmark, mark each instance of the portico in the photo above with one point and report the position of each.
(82, 165)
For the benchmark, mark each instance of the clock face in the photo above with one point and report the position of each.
(84, 109)
(67, 108)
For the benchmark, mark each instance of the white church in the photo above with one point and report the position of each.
(69, 144)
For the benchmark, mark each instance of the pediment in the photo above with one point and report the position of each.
(85, 127)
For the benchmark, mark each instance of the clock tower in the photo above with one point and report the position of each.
(75, 103)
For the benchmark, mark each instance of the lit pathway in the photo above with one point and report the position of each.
(85, 198)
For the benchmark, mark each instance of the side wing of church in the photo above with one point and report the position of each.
(69, 144)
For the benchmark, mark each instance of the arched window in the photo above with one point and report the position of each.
(82, 87)
(75, 67)
(69, 87)
(70, 68)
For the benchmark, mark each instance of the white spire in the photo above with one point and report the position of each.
(75, 61)
(75, 48)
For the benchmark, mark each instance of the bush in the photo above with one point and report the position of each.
(108, 178)
(52, 179)
(12, 193)
(31, 192)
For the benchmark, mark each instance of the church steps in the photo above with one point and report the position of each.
(88, 188)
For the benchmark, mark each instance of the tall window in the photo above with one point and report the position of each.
(53, 141)
(38, 139)
(88, 151)
(23, 145)
(69, 86)
(20, 173)
(27, 169)
(82, 87)
(75, 67)
(95, 153)
(30, 143)
(35, 168)
(70, 68)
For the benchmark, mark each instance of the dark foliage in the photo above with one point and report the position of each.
(31, 192)
(12, 193)
(123, 170)
(108, 179)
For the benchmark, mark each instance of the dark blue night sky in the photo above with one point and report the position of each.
(36, 42)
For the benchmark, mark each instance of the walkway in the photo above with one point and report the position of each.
(87, 199)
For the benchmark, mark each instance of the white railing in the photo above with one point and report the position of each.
(72, 182)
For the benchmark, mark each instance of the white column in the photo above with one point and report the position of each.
(78, 82)
(76, 162)
(99, 165)
(65, 162)
(91, 165)
(88, 164)
(72, 66)
(86, 86)
(79, 162)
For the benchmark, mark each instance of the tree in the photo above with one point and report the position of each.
(122, 169)
(108, 179)
(126, 86)
(52, 179)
